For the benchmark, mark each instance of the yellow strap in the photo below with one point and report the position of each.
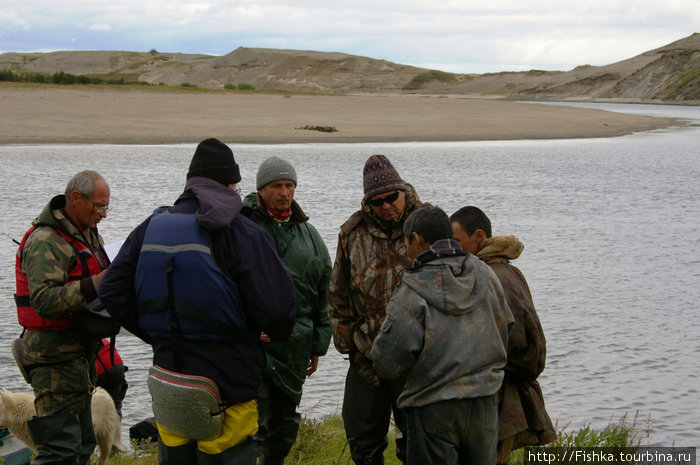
(240, 421)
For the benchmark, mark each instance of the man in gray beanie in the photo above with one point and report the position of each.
(200, 282)
(306, 257)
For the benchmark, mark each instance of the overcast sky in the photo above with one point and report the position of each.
(460, 36)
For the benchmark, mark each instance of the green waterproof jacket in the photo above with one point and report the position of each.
(306, 257)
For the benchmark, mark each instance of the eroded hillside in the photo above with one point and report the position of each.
(670, 73)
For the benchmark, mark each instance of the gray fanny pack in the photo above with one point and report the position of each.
(187, 405)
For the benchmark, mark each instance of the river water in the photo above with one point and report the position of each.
(611, 229)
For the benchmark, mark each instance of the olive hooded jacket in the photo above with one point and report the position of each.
(305, 256)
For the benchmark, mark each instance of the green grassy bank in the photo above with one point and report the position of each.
(322, 442)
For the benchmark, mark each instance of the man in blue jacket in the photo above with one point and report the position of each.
(200, 282)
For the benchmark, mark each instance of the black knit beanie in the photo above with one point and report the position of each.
(214, 160)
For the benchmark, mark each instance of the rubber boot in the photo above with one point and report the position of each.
(180, 455)
(243, 453)
(267, 460)
(57, 438)
(88, 441)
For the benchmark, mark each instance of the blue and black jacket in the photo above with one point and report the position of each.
(180, 290)
(243, 253)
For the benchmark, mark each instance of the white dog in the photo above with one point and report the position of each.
(18, 408)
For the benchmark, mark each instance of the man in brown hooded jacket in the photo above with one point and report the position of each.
(370, 257)
(523, 420)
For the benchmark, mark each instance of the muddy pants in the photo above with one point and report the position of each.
(453, 432)
(367, 413)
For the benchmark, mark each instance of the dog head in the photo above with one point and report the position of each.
(15, 408)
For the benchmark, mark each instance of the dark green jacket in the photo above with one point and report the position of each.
(306, 257)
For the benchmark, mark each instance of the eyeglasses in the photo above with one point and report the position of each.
(100, 209)
(391, 198)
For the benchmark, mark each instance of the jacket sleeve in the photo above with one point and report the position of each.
(400, 340)
(117, 291)
(526, 341)
(46, 261)
(339, 311)
(265, 284)
(322, 331)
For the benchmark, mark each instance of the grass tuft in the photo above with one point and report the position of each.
(323, 442)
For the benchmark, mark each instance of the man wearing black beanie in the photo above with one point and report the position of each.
(199, 282)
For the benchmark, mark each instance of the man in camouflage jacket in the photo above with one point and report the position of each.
(370, 257)
(59, 266)
(523, 420)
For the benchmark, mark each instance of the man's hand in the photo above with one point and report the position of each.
(313, 365)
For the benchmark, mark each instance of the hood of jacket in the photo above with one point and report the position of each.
(53, 214)
(218, 205)
(500, 249)
(447, 280)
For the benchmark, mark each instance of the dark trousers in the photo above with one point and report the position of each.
(242, 453)
(453, 432)
(367, 410)
(278, 423)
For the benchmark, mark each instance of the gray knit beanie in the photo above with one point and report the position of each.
(274, 169)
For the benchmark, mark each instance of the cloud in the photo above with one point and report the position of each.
(454, 35)
(100, 27)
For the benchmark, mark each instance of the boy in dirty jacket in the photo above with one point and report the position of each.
(523, 419)
(447, 330)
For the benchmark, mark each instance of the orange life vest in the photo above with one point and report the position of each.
(86, 265)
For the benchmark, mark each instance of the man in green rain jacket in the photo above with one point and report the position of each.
(306, 257)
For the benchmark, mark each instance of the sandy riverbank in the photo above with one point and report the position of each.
(134, 116)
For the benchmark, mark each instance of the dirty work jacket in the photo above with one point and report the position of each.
(446, 329)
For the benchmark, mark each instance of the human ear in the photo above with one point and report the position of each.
(75, 196)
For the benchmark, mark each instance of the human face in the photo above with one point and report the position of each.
(469, 243)
(87, 212)
(278, 195)
(389, 210)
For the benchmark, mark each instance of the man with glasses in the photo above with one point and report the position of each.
(370, 256)
(199, 282)
(306, 257)
(59, 265)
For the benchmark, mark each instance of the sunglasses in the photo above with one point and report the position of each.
(391, 198)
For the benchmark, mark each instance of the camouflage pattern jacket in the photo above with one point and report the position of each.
(46, 260)
(522, 412)
(368, 264)
(446, 329)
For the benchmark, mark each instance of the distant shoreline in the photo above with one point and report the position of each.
(94, 115)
